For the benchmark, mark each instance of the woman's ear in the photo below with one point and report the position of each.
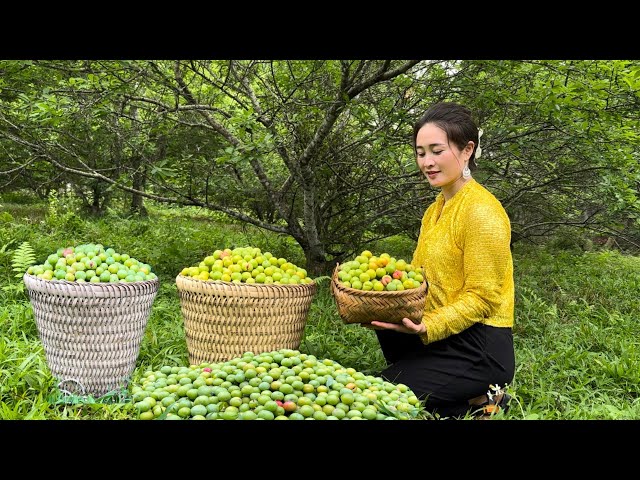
(468, 149)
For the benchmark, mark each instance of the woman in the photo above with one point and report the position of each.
(461, 356)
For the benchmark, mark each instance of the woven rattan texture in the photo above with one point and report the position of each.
(91, 332)
(364, 306)
(223, 320)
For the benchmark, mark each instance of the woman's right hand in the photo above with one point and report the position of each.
(407, 326)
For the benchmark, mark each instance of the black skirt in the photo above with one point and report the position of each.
(448, 373)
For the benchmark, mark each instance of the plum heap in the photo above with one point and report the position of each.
(247, 265)
(378, 273)
(277, 385)
(92, 262)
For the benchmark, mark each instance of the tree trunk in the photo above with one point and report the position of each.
(95, 204)
(317, 264)
(137, 200)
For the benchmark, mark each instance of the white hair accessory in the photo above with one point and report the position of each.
(478, 149)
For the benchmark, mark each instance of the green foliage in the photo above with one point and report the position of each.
(574, 322)
(19, 196)
(328, 158)
(5, 261)
(399, 246)
(570, 239)
(61, 213)
(23, 257)
(576, 318)
(18, 212)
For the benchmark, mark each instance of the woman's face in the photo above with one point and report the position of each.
(437, 159)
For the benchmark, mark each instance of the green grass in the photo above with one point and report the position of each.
(576, 329)
(577, 336)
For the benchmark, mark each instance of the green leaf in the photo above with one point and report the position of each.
(23, 257)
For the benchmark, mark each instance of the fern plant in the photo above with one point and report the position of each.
(23, 257)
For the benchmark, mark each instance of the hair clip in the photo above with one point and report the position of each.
(478, 149)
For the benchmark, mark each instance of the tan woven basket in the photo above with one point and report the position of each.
(91, 332)
(223, 320)
(364, 306)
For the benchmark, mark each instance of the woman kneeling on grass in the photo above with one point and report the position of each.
(458, 359)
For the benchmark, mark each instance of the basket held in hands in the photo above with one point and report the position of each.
(365, 306)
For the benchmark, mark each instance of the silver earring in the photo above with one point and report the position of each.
(466, 173)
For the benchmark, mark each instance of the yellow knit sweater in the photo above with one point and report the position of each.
(464, 249)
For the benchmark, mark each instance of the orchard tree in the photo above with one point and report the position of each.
(560, 143)
(72, 129)
(295, 147)
(320, 150)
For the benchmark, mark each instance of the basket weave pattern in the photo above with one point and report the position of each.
(364, 306)
(91, 332)
(223, 320)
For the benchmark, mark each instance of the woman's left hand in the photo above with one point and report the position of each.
(407, 326)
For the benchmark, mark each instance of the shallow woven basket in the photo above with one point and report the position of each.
(223, 320)
(364, 306)
(91, 332)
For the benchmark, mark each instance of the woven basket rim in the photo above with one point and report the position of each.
(244, 284)
(373, 293)
(33, 278)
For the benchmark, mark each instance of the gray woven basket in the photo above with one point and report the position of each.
(222, 320)
(91, 332)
